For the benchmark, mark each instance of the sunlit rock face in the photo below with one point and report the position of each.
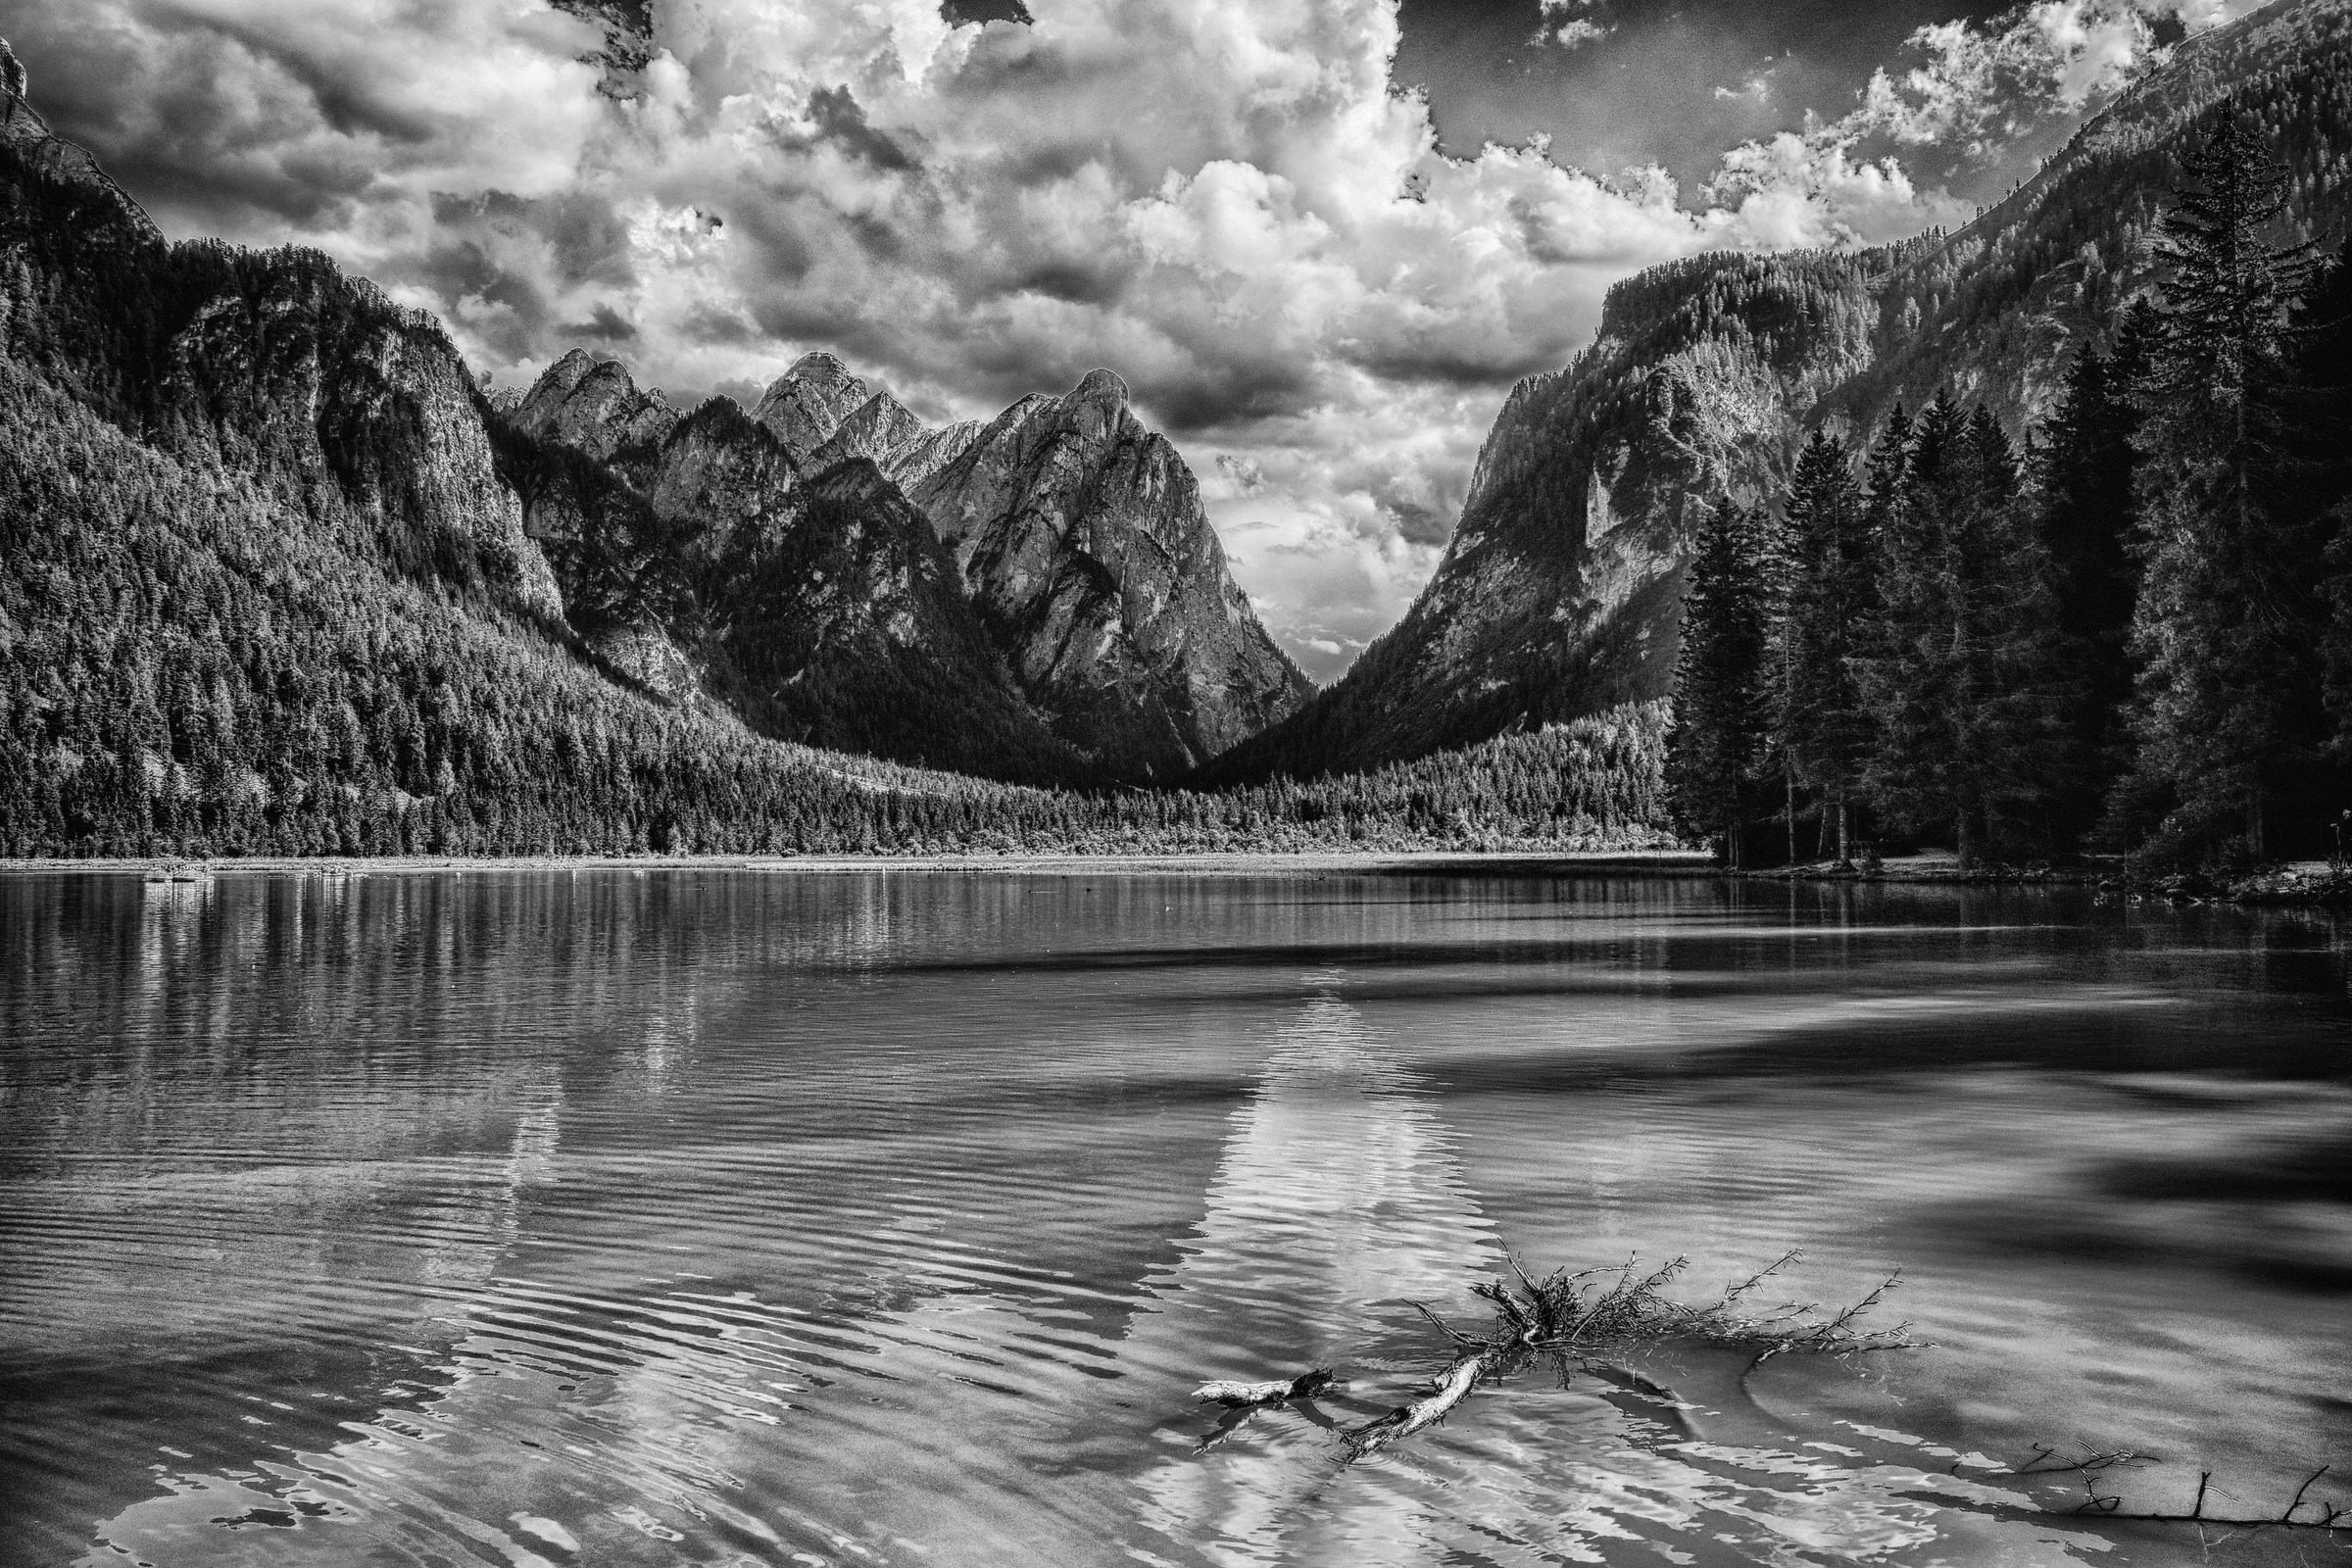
(594, 406)
(1083, 543)
(1560, 593)
(1076, 535)
(807, 403)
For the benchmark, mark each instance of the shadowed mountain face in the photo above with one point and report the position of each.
(1083, 542)
(1560, 593)
(272, 364)
(1075, 541)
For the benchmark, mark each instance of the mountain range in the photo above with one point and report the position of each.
(1039, 596)
(581, 587)
(1560, 591)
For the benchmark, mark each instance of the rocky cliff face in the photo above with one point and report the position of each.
(1082, 540)
(1076, 541)
(594, 407)
(742, 560)
(275, 362)
(1560, 591)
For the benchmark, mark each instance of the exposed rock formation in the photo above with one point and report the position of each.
(28, 135)
(807, 403)
(1083, 542)
(593, 405)
(1560, 593)
(1076, 536)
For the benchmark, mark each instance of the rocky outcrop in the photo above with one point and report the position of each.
(807, 403)
(25, 132)
(726, 479)
(1083, 543)
(593, 405)
(1076, 542)
(1560, 591)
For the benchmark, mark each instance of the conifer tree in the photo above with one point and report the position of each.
(1823, 723)
(2325, 378)
(2229, 615)
(1720, 683)
(2085, 465)
(1959, 675)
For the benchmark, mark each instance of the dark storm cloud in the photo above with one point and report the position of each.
(582, 236)
(603, 325)
(839, 119)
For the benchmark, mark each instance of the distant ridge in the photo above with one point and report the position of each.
(1560, 591)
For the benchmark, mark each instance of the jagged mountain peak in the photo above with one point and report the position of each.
(807, 403)
(875, 428)
(1100, 385)
(596, 405)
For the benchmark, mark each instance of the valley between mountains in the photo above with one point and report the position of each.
(282, 576)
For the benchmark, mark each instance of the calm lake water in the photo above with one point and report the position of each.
(689, 1216)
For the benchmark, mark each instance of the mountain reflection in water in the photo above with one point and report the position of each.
(706, 1218)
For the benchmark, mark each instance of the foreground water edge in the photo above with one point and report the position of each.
(690, 1214)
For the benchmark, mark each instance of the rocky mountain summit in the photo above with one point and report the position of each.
(1074, 536)
(1560, 591)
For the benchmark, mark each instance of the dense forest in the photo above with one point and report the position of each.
(2133, 635)
(186, 666)
(1560, 591)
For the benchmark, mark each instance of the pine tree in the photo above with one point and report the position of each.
(2230, 616)
(1958, 675)
(1720, 683)
(1823, 723)
(2086, 465)
(2324, 362)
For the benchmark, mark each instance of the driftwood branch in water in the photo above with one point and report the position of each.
(2097, 1504)
(1241, 1395)
(1578, 1320)
(1453, 1386)
(1242, 1400)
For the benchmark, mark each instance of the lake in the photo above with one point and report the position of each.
(733, 1218)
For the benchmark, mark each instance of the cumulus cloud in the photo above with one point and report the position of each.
(1973, 93)
(1225, 200)
(1566, 23)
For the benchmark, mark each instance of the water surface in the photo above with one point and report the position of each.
(689, 1216)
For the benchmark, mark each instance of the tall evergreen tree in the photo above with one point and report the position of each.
(2323, 365)
(1718, 744)
(2230, 616)
(2086, 465)
(1823, 723)
(1959, 675)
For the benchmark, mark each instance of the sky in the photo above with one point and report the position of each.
(1319, 239)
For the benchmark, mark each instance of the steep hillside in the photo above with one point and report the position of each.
(265, 584)
(1082, 540)
(275, 578)
(1560, 591)
(1078, 541)
(721, 556)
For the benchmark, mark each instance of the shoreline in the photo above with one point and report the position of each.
(2306, 886)
(1236, 862)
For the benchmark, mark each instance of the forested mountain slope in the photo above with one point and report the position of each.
(1560, 591)
(276, 580)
